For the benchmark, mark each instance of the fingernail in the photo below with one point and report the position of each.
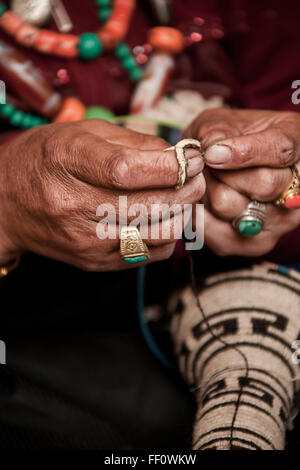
(213, 138)
(195, 166)
(218, 154)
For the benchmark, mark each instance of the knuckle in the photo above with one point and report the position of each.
(267, 184)
(244, 150)
(117, 169)
(222, 200)
(287, 151)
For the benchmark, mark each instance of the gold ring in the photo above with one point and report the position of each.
(290, 198)
(132, 247)
(180, 155)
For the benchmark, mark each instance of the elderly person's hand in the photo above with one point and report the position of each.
(248, 155)
(53, 178)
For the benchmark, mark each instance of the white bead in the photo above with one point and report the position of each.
(35, 12)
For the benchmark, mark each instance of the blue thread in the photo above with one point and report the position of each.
(295, 266)
(283, 269)
(153, 346)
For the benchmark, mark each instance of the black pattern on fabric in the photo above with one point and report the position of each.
(233, 341)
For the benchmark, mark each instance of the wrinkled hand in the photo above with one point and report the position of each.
(53, 178)
(248, 155)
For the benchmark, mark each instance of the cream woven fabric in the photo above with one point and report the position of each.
(257, 311)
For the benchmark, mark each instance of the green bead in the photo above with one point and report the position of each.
(249, 228)
(97, 112)
(104, 14)
(3, 8)
(27, 121)
(36, 121)
(136, 73)
(7, 110)
(103, 3)
(16, 118)
(122, 51)
(129, 63)
(89, 46)
(137, 259)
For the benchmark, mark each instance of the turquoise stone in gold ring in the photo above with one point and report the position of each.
(251, 221)
(132, 247)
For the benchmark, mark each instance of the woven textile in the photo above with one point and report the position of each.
(253, 313)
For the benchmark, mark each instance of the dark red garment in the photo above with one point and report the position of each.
(257, 59)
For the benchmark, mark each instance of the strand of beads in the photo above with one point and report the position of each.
(104, 9)
(18, 118)
(122, 51)
(72, 110)
(128, 61)
(88, 45)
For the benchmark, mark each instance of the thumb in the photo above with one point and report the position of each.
(270, 148)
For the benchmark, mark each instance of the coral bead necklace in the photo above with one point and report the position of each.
(87, 46)
(165, 42)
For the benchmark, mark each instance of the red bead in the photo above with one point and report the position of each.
(27, 35)
(72, 110)
(293, 201)
(141, 59)
(66, 45)
(10, 22)
(62, 77)
(46, 41)
(166, 39)
(196, 37)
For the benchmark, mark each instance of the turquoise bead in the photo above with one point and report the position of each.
(89, 46)
(129, 63)
(16, 118)
(27, 121)
(36, 121)
(103, 3)
(249, 228)
(7, 110)
(104, 14)
(136, 73)
(2, 8)
(122, 51)
(136, 259)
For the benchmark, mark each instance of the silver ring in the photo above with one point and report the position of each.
(251, 221)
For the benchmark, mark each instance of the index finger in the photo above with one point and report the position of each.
(101, 163)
